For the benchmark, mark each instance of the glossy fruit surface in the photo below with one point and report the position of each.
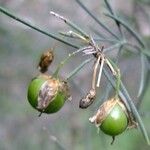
(115, 122)
(46, 94)
(33, 90)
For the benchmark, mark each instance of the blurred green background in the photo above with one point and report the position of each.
(20, 50)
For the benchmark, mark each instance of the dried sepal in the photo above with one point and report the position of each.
(47, 93)
(103, 111)
(132, 123)
(113, 118)
(49, 90)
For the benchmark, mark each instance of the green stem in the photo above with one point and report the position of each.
(114, 14)
(115, 46)
(6, 12)
(73, 34)
(76, 70)
(71, 24)
(136, 36)
(65, 61)
(97, 20)
(118, 80)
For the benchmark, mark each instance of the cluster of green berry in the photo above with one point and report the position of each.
(47, 94)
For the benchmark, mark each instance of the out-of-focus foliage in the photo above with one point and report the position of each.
(20, 49)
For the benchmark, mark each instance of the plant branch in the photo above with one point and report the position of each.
(114, 14)
(135, 35)
(11, 15)
(121, 43)
(97, 20)
(76, 70)
(71, 24)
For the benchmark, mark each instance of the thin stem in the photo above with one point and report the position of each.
(97, 20)
(71, 24)
(73, 34)
(142, 79)
(114, 14)
(105, 40)
(136, 36)
(118, 80)
(113, 83)
(115, 46)
(136, 114)
(98, 33)
(66, 60)
(75, 71)
(144, 51)
(8, 13)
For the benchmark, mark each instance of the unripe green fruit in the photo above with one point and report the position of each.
(47, 94)
(115, 122)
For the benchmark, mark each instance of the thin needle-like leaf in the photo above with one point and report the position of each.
(104, 40)
(113, 83)
(142, 79)
(70, 23)
(109, 7)
(121, 43)
(76, 70)
(11, 15)
(136, 114)
(98, 33)
(135, 35)
(96, 19)
(114, 14)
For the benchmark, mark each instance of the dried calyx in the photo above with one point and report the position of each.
(113, 117)
(47, 94)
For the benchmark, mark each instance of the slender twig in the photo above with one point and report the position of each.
(97, 20)
(114, 14)
(118, 80)
(142, 79)
(135, 35)
(113, 83)
(73, 34)
(11, 15)
(105, 40)
(135, 112)
(101, 35)
(62, 63)
(71, 24)
(115, 46)
(75, 71)
(144, 51)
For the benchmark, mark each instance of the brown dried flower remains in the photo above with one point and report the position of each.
(104, 110)
(45, 60)
(49, 90)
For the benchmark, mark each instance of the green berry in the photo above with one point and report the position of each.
(115, 122)
(47, 94)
